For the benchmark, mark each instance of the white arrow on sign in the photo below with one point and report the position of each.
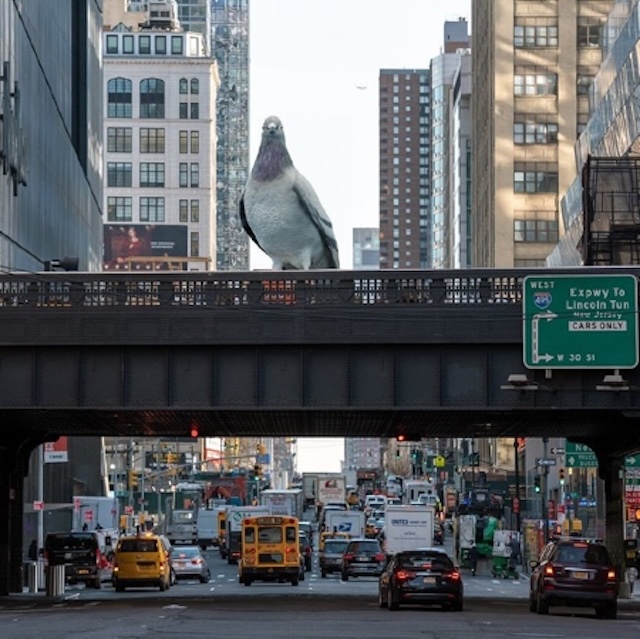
(535, 336)
(630, 461)
(571, 460)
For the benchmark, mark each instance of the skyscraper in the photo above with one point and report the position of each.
(533, 64)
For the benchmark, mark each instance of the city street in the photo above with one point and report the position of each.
(316, 609)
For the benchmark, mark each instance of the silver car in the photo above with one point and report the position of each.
(188, 562)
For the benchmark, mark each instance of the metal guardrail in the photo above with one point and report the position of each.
(263, 289)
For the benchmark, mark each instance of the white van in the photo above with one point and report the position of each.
(207, 526)
(375, 502)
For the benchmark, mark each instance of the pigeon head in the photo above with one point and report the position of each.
(273, 156)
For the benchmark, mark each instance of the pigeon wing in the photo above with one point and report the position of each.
(311, 205)
(245, 224)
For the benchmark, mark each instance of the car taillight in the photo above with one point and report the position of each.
(611, 575)
(379, 556)
(196, 561)
(348, 556)
(454, 575)
(549, 571)
(403, 575)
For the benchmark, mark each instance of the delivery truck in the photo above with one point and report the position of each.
(233, 538)
(351, 522)
(287, 501)
(407, 527)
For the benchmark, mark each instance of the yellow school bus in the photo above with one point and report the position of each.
(270, 550)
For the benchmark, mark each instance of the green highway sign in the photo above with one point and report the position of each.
(633, 461)
(580, 321)
(579, 456)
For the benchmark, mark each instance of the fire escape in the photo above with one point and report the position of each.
(611, 205)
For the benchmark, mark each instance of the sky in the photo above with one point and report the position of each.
(315, 64)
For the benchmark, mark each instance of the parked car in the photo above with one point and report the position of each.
(362, 557)
(87, 556)
(423, 577)
(188, 562)
(574, 572)
(330, 558)
(306, 550)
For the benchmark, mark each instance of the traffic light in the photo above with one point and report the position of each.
(401, 438)
(133, 479)
(562, 476)
(536, 484)
(194, 431)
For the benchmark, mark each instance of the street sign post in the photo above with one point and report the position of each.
(580, 321)
(580, 456)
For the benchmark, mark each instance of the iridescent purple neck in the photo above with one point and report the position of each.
(272, 159)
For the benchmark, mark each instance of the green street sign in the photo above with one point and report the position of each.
(580, 321)
(579, 456)
(632, 462)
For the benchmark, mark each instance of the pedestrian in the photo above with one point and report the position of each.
(514, 557)
(32, 553)
(473, 559)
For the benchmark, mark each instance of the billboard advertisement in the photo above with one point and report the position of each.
(141, 246)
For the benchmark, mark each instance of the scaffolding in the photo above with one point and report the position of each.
(611, 206)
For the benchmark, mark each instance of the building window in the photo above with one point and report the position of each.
(151, 140)
(195, 244)
(195, 211)
(535, 178)
(195, 174)
(151, 174)
(535, 84)
(589, 32)
(195, 86)
(119, 139)
(584, 82)
(183, 211)
(152, 98)
(112, 44)
(161, 44)
(535, 132)
(152, 209)
(184, 174)
(545, 231)
(528, 35)
(184, 111)
(195, 142)
(177, 45)
(144, 45)
(119, 174)
(184, 142)
(184, 86)
(195, 110)
(119, 209)
(127, 44)
(119, 95)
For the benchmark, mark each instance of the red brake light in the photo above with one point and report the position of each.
(403, 575)
(455, 575)
(548, 570)
(348, 556)
(379, 556)
(611, 575)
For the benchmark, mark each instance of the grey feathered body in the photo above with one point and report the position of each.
(282, 213)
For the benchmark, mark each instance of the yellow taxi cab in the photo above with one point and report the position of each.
(142, 560)
(331, 535)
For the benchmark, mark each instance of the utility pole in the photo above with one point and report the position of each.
(516, 511)
(545, 490)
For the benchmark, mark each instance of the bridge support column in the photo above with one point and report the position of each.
(14, 459)
(611, 470)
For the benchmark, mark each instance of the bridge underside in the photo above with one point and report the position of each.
(421, 390)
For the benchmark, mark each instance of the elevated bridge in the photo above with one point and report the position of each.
(322, 353)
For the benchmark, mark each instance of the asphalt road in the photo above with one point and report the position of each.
(315, 609)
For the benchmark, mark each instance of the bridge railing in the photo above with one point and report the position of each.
(444, 288)
(219, 289)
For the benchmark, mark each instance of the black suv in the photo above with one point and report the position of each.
(574, 572)
(363, 557)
